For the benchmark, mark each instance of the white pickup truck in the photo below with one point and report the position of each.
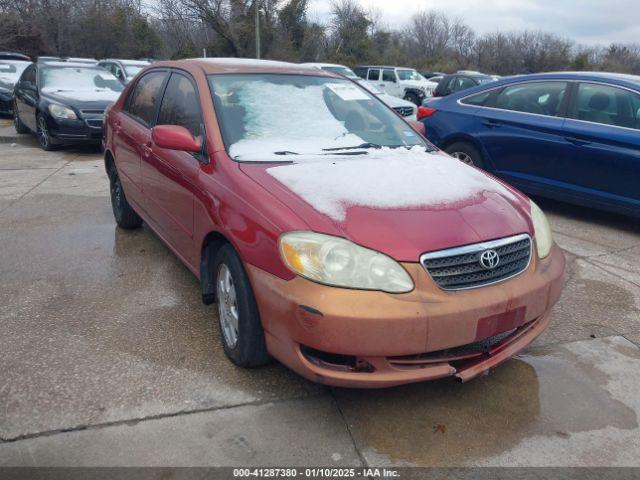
(400, 82)
(406, 109)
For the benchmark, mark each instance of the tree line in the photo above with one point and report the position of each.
(430, 40)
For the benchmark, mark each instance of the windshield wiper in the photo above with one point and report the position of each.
(285, 152)
(362, 145)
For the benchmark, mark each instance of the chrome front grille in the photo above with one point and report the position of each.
(404, 111)
(93, 117)
(463, 267)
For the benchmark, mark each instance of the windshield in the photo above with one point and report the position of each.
(10, 70)
(370, 86)
(273, 117)
(66, 79)
(132, 70)
(347, 72)
(409, 75)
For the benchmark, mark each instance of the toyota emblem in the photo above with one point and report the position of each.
(489, 259)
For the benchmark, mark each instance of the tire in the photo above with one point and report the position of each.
(413, 98)
(466, 153)
(241, 331)
(125, 216)
(45, 140)
(17, 123)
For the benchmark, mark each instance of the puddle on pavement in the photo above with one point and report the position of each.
(552, 393)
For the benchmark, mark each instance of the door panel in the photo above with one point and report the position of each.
(132, 133)
(170, 176)
(522, 136)
(128, 137)
(27, 97)
(604, 136)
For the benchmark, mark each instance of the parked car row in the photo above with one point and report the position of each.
(305, 206)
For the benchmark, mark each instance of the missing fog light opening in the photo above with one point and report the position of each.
(335, 361)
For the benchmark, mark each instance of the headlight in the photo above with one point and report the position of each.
(58, 111)
(341, 263)
(542, 231)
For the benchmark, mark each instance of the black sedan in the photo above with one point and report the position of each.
(459, 81)
(63, 102)
(10, 71)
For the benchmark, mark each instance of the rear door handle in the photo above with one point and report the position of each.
(491, 123)
(577, 141)
(146, 149)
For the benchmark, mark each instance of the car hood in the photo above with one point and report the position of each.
(395, 101)
(402, 207)
(419, 84)
(83, 98)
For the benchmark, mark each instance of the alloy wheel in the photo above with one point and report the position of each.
(227, 306)
(463, 157)
(43, 133)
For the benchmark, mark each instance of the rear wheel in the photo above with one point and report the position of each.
(466, 153)
(17, 123)
(125, 216)
(43, 134)
(241, 330)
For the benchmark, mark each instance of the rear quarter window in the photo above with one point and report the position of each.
(479, 99)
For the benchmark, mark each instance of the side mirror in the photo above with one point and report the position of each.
(174, 137)
(418, 126)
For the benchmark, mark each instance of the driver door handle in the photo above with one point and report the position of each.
(491, 123)
(577, 141)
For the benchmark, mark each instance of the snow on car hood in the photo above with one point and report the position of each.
(386, 178)
(88, 95)
(402, 202)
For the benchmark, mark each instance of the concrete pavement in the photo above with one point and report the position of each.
(107, 356)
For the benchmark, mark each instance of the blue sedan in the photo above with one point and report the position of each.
(573, 137)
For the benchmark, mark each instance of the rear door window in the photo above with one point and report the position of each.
(143, 100)
(374, 74)
(607, 105)
(388, 75)
(180, 105)
(540, 98)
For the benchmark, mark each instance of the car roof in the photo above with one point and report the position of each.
(246, 65)
(14, 56)
(385, 66)
(69, 65)
(322, 64)
(126, 62)
(610, 77)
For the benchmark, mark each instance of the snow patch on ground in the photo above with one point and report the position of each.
(385, 178)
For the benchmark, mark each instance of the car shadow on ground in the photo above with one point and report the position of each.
(589, 215)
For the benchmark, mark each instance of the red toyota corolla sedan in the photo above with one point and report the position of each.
(330, 233)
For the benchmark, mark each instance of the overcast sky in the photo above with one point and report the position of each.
(584, 21)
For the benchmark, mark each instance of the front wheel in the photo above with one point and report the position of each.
(413, 98)
(466, 153)
(241, 330)
(44, 136)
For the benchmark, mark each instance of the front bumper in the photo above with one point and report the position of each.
(355, 338)
(6, 103)
(76, 131)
